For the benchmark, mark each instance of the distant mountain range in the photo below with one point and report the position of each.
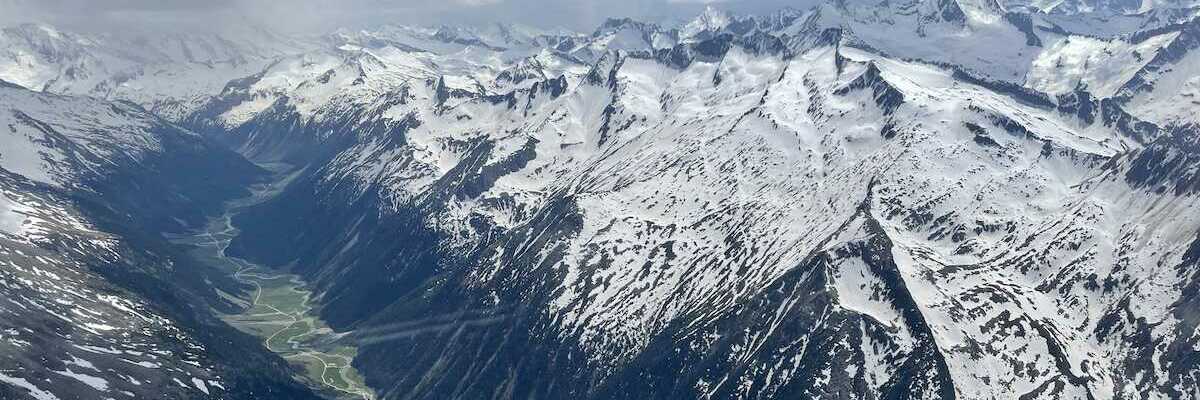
(864, 200)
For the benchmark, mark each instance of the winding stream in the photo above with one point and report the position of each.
(279, 309)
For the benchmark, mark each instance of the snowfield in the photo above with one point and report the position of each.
(919, 199)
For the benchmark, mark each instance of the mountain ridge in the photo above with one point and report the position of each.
(924, 199)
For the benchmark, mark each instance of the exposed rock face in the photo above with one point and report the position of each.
(95, 302)
(924, 199)
(725, 217)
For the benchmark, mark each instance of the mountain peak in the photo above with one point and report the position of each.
(36, 32)
(710, 20)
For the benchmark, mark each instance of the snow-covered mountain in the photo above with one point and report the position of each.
(927, 200)
(167, 74)
(92, 304)
(1110, 7)
(912, 199)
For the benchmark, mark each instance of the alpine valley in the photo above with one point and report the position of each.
(900, 199)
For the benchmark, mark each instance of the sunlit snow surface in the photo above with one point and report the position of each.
(11, 216)
(59, 140)
(1027, 249)
(699, 186)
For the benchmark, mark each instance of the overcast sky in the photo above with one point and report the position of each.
(323, 15)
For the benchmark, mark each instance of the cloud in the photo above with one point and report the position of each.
(476, 3)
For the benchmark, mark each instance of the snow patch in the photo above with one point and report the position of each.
(11, 215)
(200, 384)
(95, 382)
(34, 391)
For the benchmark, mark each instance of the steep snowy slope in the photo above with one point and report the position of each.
(1165, 90)
(729, 219)
(68, 333)
(92, 303)
(1151, 72)
(912, 199)
(335, 91)
(61, 141)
